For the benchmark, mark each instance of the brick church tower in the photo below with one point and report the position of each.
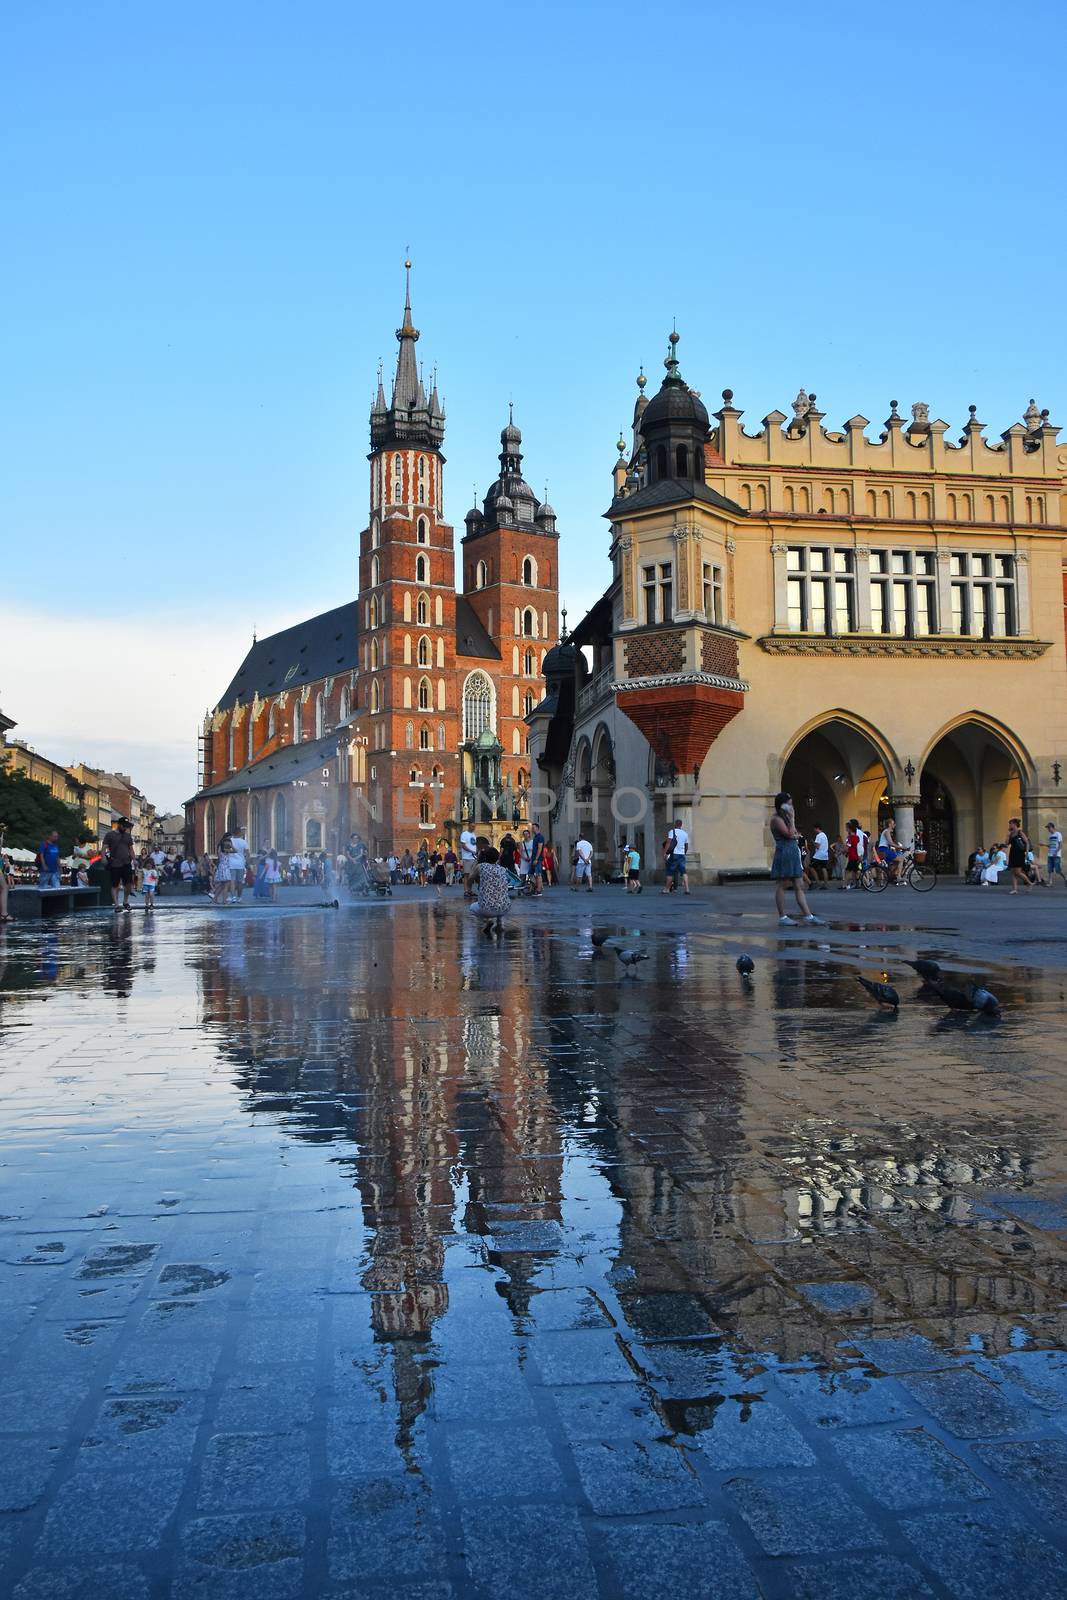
(407, 611)
(511, 581)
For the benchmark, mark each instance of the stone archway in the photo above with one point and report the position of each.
(602, 779)
(978, 770)
(839, 767)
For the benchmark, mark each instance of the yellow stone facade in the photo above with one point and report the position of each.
(887, 608)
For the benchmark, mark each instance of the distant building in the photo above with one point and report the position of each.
(402, 711)
(875, 625)
(169, 832)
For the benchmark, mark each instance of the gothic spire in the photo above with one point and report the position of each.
(406, 384)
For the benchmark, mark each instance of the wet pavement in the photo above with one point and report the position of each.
(353, 1253)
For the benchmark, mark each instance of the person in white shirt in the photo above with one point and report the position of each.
(887, 849)
(675, 852)
(238, 862)
(468, 858)
(525, 855)
(820, 858)
(1055, 853)
(583, 864)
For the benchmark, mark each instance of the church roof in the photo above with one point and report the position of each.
(471, 637)
(319, 647)
(667, 492)
(282, 766)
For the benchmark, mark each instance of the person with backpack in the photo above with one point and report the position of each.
(675, 852)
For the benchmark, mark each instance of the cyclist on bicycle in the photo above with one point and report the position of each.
(888, 852)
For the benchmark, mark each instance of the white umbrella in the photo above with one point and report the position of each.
(20, 855)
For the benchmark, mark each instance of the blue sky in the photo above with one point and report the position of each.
(207, 209)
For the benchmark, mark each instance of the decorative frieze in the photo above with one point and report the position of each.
(944, 647)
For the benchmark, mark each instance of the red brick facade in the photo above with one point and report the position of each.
(406, 656)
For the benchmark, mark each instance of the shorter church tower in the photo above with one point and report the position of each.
(510, 557)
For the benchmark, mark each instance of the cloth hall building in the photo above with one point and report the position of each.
(875, 624)
(401, 712)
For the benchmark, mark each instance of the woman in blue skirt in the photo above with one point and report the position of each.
(787, 868)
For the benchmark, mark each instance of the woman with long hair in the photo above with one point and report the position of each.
(787, 868)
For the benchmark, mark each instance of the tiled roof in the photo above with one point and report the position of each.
(320, 647)
(471, 637)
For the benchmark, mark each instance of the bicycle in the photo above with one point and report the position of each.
(916, 874)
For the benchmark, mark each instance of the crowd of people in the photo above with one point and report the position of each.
(527, 862)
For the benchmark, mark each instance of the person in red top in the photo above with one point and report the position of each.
(855, 850)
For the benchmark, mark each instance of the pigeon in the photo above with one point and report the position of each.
(630, 958)
(955, 999)
(984, 1000)
(599, 938)
(745, 966)
(884, 993)
(929, 971)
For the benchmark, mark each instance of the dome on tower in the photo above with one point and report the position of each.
(560, 659)
(674, 426)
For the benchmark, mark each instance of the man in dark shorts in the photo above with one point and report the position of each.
(118, 859)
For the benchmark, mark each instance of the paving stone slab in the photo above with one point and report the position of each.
(528, 1553)
(627, 1477)
(906, 1467)
(869, 1577)
(242, 1557)
(801, 1513)
(503, 1465)
(663, 1561)
(108, 1581)
(96, 1513)
(969, 1405)
(981, 1553)
(752, 1433)
(1036, 1469)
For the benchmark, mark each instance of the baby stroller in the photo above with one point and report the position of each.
(380, 882)
(518, 888)
(368, 877)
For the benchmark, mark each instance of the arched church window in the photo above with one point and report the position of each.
(422, 569)
(375, 572)
(477, 705)
(425, 741)
(375, 534)
(527, 704)
(483, 575)
(529, 571)
(297, 729)
(528, 663)
(424, 809)
(661, 461)
(422, 610)
(345, 706)
(681, 456)
(409, 735)
(375, 696)
(425, 694)
(320, 714)
(529, 624)
(440, 736)
(272, 720)
(425, 652)
(249, 747)
(423, 531)
(374, 652)
(209, 828)
(230, 762)
(372, 612)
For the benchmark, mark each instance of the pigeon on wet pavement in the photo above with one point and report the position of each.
(955, 998)
(630, 958)
(745, 966)
(984, 1000)
(927, 970)
(884, 993)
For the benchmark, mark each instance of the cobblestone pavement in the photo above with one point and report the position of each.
(352, 1253)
